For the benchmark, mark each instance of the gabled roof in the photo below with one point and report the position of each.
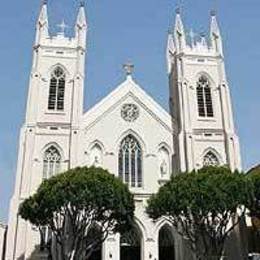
(254, 169)
(123, 91)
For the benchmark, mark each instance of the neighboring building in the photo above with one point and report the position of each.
(127, 132)
(3, 230)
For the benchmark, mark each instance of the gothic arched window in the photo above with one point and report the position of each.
(57, 89)
(204, 98)
(130, 161)
(51, 162)
(210, 159)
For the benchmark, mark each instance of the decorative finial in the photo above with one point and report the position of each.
(178, 10)
(202, 34)
(128, 67)
(62, 27)
(213, 12)
(82, 3)
(44, 2)
(179, 6)
(203, 40)
(191, 34)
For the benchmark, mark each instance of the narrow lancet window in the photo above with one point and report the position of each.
(57, 89)
(204, 98)
(130, 162)
(51, 162)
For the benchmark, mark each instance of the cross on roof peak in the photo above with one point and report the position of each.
(129, 68)
(63, 26)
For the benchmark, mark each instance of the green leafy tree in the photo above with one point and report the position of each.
(71, 204)
(254, 176)
(254, 207)
(203, 206)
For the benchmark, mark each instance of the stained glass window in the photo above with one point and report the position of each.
(130, 162)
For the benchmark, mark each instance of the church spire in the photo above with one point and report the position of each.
(81, 18)
(170, 51)
(179, 32)
(43, 16)
(81, 25)
(178, 21)
(42, 27)
(214, 28)
(215, 34)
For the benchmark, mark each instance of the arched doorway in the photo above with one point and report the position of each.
(166, 243)
(131, 245)
(94, 234)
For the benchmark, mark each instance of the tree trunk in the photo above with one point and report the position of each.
(214, 253)
(210, 251)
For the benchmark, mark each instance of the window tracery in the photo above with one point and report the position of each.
(204, 98)
(129, 112)
(210, 159)
(57, 89)
(51, 162)
(130, 162)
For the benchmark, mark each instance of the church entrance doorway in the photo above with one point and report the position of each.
(130, 245)
(166, 243)
(95, 235)
(97, 254)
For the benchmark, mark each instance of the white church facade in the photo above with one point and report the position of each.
(127, 132)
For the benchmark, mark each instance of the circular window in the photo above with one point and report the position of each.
(129, 112)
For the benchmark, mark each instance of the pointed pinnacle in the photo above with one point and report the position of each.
(178, 10)
(43, 16)
(213, 13)
(82, 4)
(202, 34)
(214, 28)
(81, 18)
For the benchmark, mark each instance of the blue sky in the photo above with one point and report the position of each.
(121, 31)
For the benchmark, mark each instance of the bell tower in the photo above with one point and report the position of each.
(49, 136)
(200, 99)
(56, 80)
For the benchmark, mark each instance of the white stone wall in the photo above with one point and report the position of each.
(107, 128)
(2, 238)
(104, 126)
(187, 61)
(180, 139)
(44, 127)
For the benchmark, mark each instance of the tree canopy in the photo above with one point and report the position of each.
(202, 206)
(72, 203)
(254, 176)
